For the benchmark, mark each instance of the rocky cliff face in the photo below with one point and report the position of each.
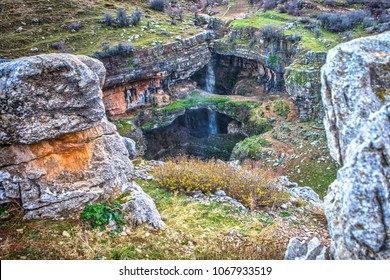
(134, 80)
(269, 55)
(355, 93)
(303, 84)
(57, 150)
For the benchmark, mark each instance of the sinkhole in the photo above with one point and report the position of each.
(203, 133)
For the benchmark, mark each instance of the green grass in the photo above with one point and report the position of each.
(316, 175)
(252, 147)
(123, 126)
(53, 27)
(264, 18)
(325, 42)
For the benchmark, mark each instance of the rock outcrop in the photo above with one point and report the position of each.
(303, 84)
(355, 92)
(300, 250)
(30, 112)
(134, 80)
(58, 152)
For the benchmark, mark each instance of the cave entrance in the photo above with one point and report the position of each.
(224, 72)
(203, 133)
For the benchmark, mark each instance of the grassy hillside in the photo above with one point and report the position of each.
(29, 24)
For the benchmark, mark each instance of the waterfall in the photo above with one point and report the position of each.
(210, 77)
(213, 129)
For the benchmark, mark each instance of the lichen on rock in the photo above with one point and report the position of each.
(357, 123)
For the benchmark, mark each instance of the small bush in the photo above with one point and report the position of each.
(271, 33)
(108, 20)
(175, 12)
(250, 187)
(376, 7)
(100, 213)
(75, 26)
(331, 3)
(136, 17)
(122, 18)
(368, 22)
(123, 48)
(292, 8)
(269, 5)
(58, 46)
(157, 5)
(339, 22)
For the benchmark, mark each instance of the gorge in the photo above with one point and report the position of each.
(241, 134)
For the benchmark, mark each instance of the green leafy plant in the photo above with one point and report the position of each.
(100, 213)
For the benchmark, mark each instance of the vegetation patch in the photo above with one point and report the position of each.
(99, 214)
(251, 188)
(123, 126)
(253, 147)
(281, 108)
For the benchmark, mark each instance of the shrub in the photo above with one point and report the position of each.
(123, 48)
(368, 22)
(376, 7)
(292, 8)
(175, 12)
(349, 36)
(136, 17)
(271, 33)
(157, 5)
(122, 18)
(58, 46)
(282, 9)
(250, 187)
(75, 26)
(100, 213)
(269, 5)
(281, 108)
(339, 22)
(108, 20)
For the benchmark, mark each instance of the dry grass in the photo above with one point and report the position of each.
(193, 231)
(250, 187)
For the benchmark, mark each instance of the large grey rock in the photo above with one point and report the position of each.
(307, 194)
(55, 178)
(131, 147)
(355, 83)
(61, 152)
(300, 250)
(356, 96)
(142, 207)
(49, 95)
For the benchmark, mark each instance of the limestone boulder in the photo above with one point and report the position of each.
(55, 178)
(355, 91)
(301, 250)
(49, 95)
(142, 207)
(131, 147)
(58, 152)
(355, 83)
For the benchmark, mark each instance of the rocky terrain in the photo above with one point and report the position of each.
(114, 145)
(58, 151)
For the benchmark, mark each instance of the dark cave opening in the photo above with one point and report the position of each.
(202, 133)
